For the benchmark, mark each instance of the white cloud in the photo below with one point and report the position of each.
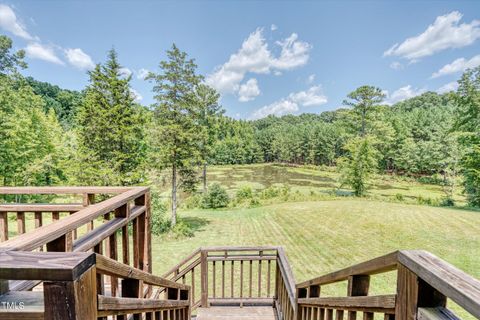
(254, 56)
(142, 74)
(124, 71)
(38, 51)
(458, 65)
(136, 94)
(446, 32)
(311, 78)
(10, 23)
(312, 97)
(79, 59)
(248, 91)
(403, 93)
(451, 86)
(396, 65)
(273, 27)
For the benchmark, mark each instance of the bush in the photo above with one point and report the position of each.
(182, 230)
(399, 197)
(270, 192)
(160, 224)
(447, 202)
(216, 197)
(244, 192)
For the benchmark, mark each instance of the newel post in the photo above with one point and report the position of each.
(414, 293)
(203, 278)
(79, 298)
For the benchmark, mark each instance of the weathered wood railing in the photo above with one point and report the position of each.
(424, 282)
(72, 288)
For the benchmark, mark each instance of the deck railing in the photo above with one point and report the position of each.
(95, 262)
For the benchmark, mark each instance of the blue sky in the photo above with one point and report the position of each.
(265, 57)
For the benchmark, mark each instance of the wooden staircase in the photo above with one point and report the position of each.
(93, 261)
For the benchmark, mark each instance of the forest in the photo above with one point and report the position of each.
(102, 136)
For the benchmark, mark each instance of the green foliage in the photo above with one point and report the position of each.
(175, 138)
(159, 208)
(468, 125)
(216, 197)
(245, 192)
(359, 165)
(110, 129)
(9, 62)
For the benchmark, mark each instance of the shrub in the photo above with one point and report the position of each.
(192, 202)
(244, 192)
(216, 197)
(270, 192)
(182, 230)
(160, 224)
(399, 197)
(447, 202)
(254, 202)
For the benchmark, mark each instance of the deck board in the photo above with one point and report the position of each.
(235, 313)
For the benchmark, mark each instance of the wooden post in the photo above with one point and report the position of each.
(88, 199)
(3, 226)
(358, 285)
(72, 300)
(414, 293)
(61, 244)
(203, 278)
(21, 222)
(131, 289)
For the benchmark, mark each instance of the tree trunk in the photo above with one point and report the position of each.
(204, 177)
(174, 194)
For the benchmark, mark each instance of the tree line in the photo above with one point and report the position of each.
(102, 136)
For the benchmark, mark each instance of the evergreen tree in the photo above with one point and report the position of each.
(110, 128)
(364, 100)
(210, 111)
(176, 116)
(468, 125)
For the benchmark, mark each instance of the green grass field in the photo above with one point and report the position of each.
(325, 235)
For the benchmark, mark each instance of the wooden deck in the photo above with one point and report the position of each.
(235, 313)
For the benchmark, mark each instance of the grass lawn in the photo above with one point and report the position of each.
(323, 236)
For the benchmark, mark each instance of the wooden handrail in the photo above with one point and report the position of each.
(62, 190)
(114, 268)
(41, 207)
(455, 284)
(43, 235)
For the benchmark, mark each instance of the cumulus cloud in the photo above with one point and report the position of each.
(458, 65)
(273, 27)
(47, 53)
(126, 72)
(312, 97)
(79, 59)
(254, 56)
(396, 65)
(311, 78)
(403, 93)
(446, 32)
(142, 74)
(248, 91)
(10, 23)
(451, 86)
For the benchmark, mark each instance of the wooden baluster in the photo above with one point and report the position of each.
(241, 283)
(250, 279)
(260, 275)
(204, 278)
(135, 243)
(3, 226)
(358, 285)
(131, 288)
(268, 278)
(125, 245)
(89, 199)
(339, 315)
(63, 243)
(213, 279)
(223, 279)
(193, 286)
(74, 231)
(55, 216)
(100, 284)
(21, 222)
(113, 254)
(232, 279)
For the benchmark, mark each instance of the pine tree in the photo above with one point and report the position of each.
(210, 111)
(176, 116)
(110, 128)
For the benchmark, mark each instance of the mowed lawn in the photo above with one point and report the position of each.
(323, 236)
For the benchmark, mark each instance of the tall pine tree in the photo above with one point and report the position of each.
(176, 116)
(110, 128)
